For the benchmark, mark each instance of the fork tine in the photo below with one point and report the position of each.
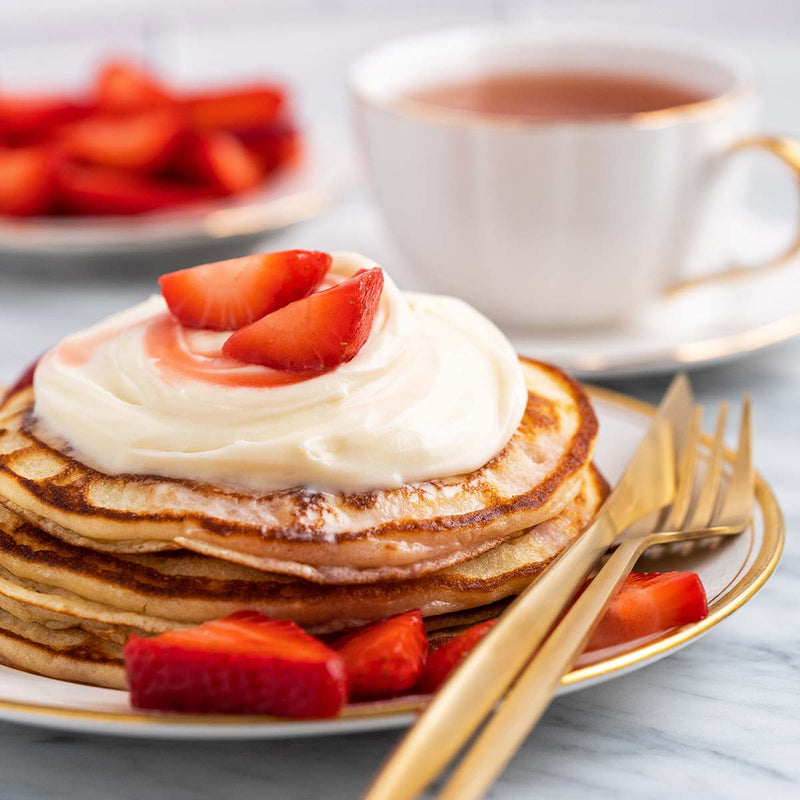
(738, 503)
(687, 469)
(709, 494)
(676, 410)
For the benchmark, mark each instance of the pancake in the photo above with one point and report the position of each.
(69, 654)
(112, 594)
(384, 535)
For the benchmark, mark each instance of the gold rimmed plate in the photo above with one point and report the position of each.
(732, 571)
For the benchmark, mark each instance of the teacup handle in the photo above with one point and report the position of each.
(788, 151)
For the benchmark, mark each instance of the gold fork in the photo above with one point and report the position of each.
(710, 514)
(464, 701)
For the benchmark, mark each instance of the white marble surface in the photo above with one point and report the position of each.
(719, 719)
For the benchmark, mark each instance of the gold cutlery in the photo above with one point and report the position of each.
(461, 704)
(712, 513)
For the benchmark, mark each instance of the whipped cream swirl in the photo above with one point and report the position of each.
(436, 391)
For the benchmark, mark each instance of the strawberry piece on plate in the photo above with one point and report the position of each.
(385, 657)
(124, 86)
(443, 660)
(245, 663)
(233, 109)
(221, 160)
(648, 604)
(226, 295)
(26, 119)
(27, 180)
(95, 190)
(142, 141)
(314, 334)
(276, 144)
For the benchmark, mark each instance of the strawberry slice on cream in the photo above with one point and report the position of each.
(227, 295)
(314, 334)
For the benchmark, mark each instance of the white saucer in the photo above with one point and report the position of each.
(694, 328)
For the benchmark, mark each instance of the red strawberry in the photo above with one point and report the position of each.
(221, 160)
(386, 657)
(22, 382)
(32, 118)
(228, 294)
(316, 333)
(275, 144)
(443, 660)
(123, 86)
(650, 603)
(86, 189)
(143, 141)
(243, 664)
(234, 109)
(27, 180)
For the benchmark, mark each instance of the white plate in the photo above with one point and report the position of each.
(698, 327)
(181, 236)
(732, 572)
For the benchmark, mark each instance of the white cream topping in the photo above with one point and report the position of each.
(437, 390)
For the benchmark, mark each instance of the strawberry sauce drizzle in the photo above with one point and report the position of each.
(76, 352)
(163, 342)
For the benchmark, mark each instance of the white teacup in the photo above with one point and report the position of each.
(543, 223)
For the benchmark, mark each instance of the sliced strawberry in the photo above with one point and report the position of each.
(99, 190)
(22, 382)
(386, 657)
(316, 333)
(228, 294)
(650, 603)
(234, 109)
(221, 160)
(27, 180)
(142, 141)
(276, 144)
(32, 118)
(243, 664)
(443, 660)
(124, 86)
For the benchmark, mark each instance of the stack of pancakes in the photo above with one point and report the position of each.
(86, 558)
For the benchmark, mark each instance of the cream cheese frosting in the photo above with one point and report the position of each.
(437, 390)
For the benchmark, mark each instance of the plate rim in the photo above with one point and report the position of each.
(189, 725)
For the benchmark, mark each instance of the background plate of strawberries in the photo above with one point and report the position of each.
(381, 675)
(138, 169)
